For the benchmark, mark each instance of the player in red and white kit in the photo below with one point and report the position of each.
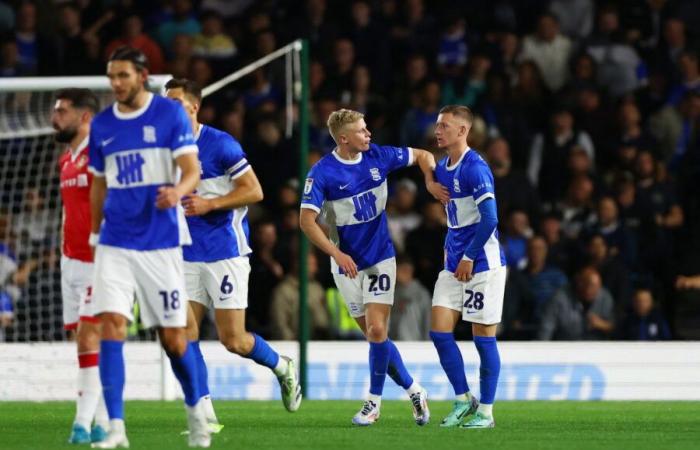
(72, 113)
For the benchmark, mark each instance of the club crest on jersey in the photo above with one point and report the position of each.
(455, 187)
(376, 176)
(149, 133)
(308, 185)
(81, 161)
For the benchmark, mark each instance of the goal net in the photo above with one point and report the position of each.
(264, 91)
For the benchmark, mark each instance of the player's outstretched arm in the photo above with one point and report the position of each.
(98, 191)
(247, 192)
(169, 196)
(426, 162)
(308, 224)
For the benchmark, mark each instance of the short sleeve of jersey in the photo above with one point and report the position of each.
(97, 161)
(313, 196)
(479, 179)
(233, 160)
(395, 157)
(181, 137)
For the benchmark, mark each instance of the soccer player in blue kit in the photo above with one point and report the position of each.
(472, 284)
(349, 186)
(136, 147)
(216, 264)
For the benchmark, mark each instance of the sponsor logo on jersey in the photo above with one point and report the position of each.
(149, 133)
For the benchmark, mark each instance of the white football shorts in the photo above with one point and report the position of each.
(76, 282)
(480, 300)
(155, 278)
(219, 284)
(373, 284)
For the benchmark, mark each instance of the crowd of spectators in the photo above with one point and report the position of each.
(588, 113)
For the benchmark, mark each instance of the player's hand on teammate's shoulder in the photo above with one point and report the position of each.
(346, 264)
(440, 192)
(196, 205)
(464, 270)
(167, 197)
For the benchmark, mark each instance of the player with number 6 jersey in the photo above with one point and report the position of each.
(216, 264)
(472, 284)
(349, 186)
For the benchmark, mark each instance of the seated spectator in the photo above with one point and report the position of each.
(530, 289)
(613, 272)
(577, 208)
(266, 271)
(645, 322)
(425, 244)
(410, 315)
(689, 66)
(453, 50)
(550, 50)
(513, 189)
(581, 312)
(418, 123)
(550, 151)
(559, 253)
(183, 21)
(468, 90)
(284, 307)
(608, 224)
(133, 36)
(401, 215)
(514, 239)
(212, 42)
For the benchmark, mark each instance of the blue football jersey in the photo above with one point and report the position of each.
(352, 197)
(136, 154)
(218, 234)
(470, 182)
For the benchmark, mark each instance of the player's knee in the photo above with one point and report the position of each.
(236, 344)
(175, 347)
(376, 332)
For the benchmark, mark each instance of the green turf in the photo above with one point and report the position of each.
(326, 425)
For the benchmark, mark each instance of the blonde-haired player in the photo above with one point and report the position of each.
(350, 187)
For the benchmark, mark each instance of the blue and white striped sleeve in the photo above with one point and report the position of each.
(233, 158)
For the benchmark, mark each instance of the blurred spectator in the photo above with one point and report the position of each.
(550, 50)
(212, 42)
(689, 66)
(425, 244)
(182, 21)
(410, 315)
(535, 285)
(631, 131)
(513, 189)
(617, 60)
(514, 239)
(7, 18)
(37, 51)
(559, 253)
(610, 227)
(453, 50)
(575, 16)
(36, 223)
(373, 53)
(260, 92)
(671, 47)
(284, 307)
(614, 274)
(645, 322)
(78, 49)
(180, 60)
(132, 35)
(581, 312)
(405, 93)
(9, 58)
(418, 123)
(319, 135)
(401, 215)
(266, 272)
(339, 75)
(468, 91)
(550, 152)
(577, 208)
(673, 127)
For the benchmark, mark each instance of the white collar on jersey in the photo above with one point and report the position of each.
(74, 152)
(133, 114)
(459, 161)
(198, 132)
(347, 161)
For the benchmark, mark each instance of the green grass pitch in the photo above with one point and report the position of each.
(326, 425)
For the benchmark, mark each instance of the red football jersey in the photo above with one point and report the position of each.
(75, 192)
